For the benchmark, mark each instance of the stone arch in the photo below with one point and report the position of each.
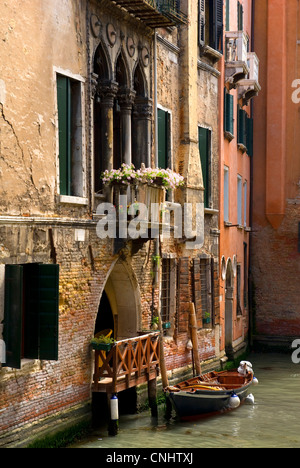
(102, 64)
(140, 84)
(122, 291)
(122, 74)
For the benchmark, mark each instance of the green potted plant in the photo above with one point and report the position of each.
(155, 322)
(102, 342)
(206, 317)
(166, 325)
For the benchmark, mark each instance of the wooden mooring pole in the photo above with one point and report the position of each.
(194, 338)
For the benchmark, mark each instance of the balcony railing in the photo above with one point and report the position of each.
(236, 65)
(155, 13)
(250, 87)
(129, 363)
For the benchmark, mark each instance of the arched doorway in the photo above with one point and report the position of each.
(119, 307)
(229, 310)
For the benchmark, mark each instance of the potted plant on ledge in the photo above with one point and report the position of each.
(102, 343)
(206, 318)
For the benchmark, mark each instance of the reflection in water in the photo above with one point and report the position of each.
(273, 420)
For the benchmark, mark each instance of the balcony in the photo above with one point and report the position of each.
(250, 87)
(236, 58)
(129, 363)
(154, 13)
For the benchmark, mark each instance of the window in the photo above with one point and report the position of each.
(206, 290)
(70, 128)
(210, 24)
(164, 139)
(168, 290)
(249, 139)
(31, 304)
(205, 157)
(226, 194)
(238, 290)
(245, 203)
(227, 15)
(228, 115)
(240, 16)
(239, 200)
(242, 128)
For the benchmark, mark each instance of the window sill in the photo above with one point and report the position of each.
(228, 135)
(210, 211)
(211, 53)
(70, 200)
(242, 147)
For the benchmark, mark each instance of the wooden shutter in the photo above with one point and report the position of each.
(201, 22)
(164, 139)
(219, 25)
(48, 305)
(227, 15)
(13, 315)
(64, 129)
(31, 315)
(228, 113)
(249, 121)
(240, 16)
(242, 136)
(216, 25)
(204, 149)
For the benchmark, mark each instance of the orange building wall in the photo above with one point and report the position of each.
(276, 170)
(232, 238)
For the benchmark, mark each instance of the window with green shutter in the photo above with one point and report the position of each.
(228, 115)
(205, 158)
(216, 26)
(70, 136)
(31, 313)
(249, 123)
(242, 128)
(164, 139)
(240, 16)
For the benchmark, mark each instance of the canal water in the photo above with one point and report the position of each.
(272, 422)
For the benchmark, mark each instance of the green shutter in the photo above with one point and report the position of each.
(240, 14)
(250, 136)
(31, 316)
(163, 138)
(228, 113)
(242, 136)
(204, 149)
(48, 305)
(64, 128)
(13, 315)
(201, 22)
(227, 15)
(216, 24)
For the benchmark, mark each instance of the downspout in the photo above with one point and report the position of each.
(250, 286)
(155, 101)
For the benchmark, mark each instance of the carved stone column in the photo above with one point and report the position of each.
(126, 98)
(142, 118)
(107, 92)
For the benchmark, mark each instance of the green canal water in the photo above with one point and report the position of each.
(272, 422)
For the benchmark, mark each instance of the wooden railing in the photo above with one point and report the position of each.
(129, 363)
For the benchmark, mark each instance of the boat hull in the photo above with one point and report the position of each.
(197, 402)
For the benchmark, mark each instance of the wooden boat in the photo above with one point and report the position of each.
(209, 393)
